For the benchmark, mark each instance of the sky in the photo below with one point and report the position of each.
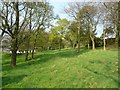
(59, 10)
(59, 6)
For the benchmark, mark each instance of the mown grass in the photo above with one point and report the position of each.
(63, 69)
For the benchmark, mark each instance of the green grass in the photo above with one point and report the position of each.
(63, 69)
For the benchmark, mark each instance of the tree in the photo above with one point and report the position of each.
(42, 40)
(93, 20)
(16, 19)
(73, 11)
(87, 16)
(107, 31)
(12, 26)
(43, 15)
(59, 31)
(71, 35)
(112, 8)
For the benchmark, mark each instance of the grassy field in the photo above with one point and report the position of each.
(63, 69)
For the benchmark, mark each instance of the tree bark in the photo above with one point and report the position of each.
(88, 46)
(33, 50)
(93, 42)
(74, 45)
(26, 56)
(104, 41)
(60, 44)
(104, 44)
(116, 38)
(27, 48)
(14, 52)
(32, 53)
(78, 46)
(78, 50)
(13, 58)
(14, 39)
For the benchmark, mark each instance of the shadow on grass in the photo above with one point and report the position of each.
(108, 77)
(12, 79)
(72, 53)
(45, 56)
(6, 57)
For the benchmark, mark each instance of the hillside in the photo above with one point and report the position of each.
(63, 69)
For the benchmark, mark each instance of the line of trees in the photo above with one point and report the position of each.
(88, 15)
(27, 25)
(22, 22)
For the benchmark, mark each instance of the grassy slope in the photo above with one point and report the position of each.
(64, 69)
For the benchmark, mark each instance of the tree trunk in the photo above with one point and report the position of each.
(14, 38)
(60, 44)
(104, 41)
(78, 46)
(26, 51)
(34, 46)
(88, 46)
(104, 44)
(88, 35)
(14, 52)
(32, 53)
(13, 59)
(78, 50)
(93, 42)
(74, 45)
(116, 38)
(26, 56)
(27, 48)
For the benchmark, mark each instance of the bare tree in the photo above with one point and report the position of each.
(113, 9)
(74, 11)
(79, 11)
